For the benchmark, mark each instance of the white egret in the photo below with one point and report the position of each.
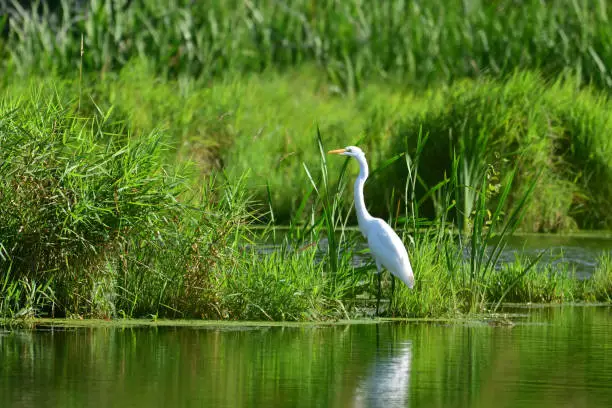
(386, 247)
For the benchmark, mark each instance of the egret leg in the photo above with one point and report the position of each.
(378, 296)
(392, 288)
(379, 270)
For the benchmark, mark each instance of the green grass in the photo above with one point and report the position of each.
(24, 297)
(117, 203)
(264, 125)
(541, 127)
(90, 206)
(416, 43)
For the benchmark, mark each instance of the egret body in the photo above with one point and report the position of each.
(385, 245)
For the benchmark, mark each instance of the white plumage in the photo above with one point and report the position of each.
(385, 245)
(380, 240)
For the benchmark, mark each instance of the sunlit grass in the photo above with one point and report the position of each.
(263, 125)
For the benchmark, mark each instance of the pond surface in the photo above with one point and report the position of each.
(579, 252)
(553, 357)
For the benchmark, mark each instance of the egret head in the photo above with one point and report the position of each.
(353, 151)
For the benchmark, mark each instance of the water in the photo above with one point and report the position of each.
(579, 252)
(553, 357)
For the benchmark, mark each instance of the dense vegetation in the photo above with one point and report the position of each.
(143, 145)
(415, 43)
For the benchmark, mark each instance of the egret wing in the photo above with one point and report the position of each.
(388, 249)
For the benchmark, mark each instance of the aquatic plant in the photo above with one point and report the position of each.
(73, 188)
(24, 297)
(182, 265)
(599, 287)
(526, 123)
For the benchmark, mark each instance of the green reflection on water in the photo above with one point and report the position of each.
(555, 357)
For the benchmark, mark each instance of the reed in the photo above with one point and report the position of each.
(415, 43)
(90, 206)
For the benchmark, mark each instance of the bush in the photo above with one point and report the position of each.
(91, 206)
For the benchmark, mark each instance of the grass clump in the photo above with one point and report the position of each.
(523, 122)
(89, 207)
(195, 246)
(552, 283)
(72, 187)
(24, 297)
(599, 287)
(543, 284)
(278, 286)
(440, 291)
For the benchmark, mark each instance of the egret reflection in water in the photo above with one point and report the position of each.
(388, 382)
(553, 357)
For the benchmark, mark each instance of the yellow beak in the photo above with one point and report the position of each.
(337, 151)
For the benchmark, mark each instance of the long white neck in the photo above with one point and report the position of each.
(360, 207)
